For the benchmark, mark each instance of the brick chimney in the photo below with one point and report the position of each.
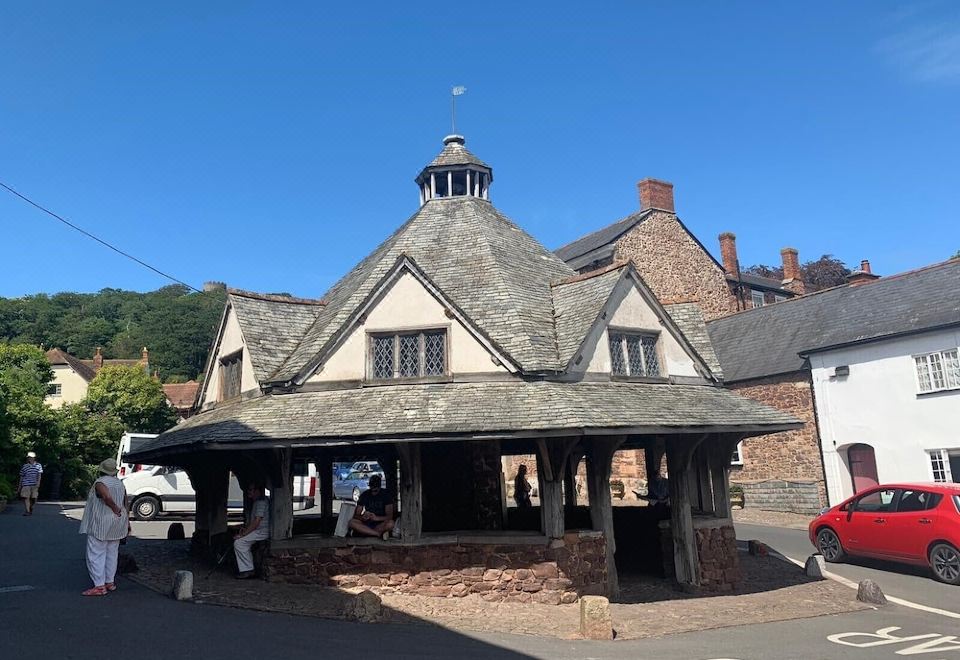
(145, 359)
(862, 276)
(656, 194)
(98, 359)
(792, 277)
(728, 252)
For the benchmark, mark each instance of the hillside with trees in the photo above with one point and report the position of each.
(174, 323)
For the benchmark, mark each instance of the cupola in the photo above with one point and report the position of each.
(455, 172)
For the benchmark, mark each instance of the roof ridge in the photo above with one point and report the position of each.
(275, 297)
(636, 215)
(616, 265)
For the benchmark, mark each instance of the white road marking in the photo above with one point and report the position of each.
(936, 643)
(19, 587)
(853, 585)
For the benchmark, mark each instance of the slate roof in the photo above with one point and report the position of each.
(455, 153)
(764, 282)
(340, 416)
(492, 270)
(57, 356)
(768, 340)
(689, 318)
(601, 237)
(182, 395)
(272, 326)
(577, 304)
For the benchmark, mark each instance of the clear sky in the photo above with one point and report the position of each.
(272, 145)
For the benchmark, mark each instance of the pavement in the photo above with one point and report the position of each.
(42, 615)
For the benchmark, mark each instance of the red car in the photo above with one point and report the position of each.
(912, 523)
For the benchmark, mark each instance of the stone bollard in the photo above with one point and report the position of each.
(366, 606)
(815, 566)
(757, 548)
(175, 532)
(182, 585)
(870, 592)
(595, 620)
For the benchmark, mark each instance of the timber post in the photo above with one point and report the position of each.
(551, 466)
(720, 474)
(685, 558)
(326, 485)
(411, 491)
(570, 478)
(600, 451)
(281, 494)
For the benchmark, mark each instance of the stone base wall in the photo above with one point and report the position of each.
(719, 559)
(777, 495)
(553, 572)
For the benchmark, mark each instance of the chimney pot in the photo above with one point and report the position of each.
(792, 276)
(728, 252)
(97, 359)
(656, 194)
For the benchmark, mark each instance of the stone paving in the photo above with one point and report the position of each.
(772, 591)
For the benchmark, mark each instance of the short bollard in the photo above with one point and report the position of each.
(757, 548)
(870, 592)
(365, 606)
(815, 566)
(183, 585)
(595, 622)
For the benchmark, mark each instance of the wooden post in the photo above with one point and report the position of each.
(326, 485)
(685, 559)
(281, 494)
(570, 479)
(702, 460)
(411, 491)
(551, 465)
(600, 451)
(218, 487)
(720, 474)
(652, 457)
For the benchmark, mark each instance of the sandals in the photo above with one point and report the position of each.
(110, 586)
(95, 591)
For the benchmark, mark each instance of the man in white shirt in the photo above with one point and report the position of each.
(257, 528)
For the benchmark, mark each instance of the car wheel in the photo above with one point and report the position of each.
(146, 507)
(829, 545)
(945, 562)
(356, 494)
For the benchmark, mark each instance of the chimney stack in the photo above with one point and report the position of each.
(656, 194)
(145, 359)
(98, 359)
(862, 276)
(728, 252)
(792, 277)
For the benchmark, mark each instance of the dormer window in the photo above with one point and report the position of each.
(413, 354)
(231, 368)
(634, 354)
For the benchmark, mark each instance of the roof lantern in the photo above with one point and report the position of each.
(455, 172)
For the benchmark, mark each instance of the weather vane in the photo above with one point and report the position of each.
(459, 90)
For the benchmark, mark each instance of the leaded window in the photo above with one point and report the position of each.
(938, 371)
(408, 354)
(633, 354)
(230, 372)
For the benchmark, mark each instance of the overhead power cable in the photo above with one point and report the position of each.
(96, 238)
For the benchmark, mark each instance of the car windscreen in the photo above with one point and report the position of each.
(137, 443)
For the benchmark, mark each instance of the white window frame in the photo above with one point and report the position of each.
(55, 390)
(624, 334)
(737, 457)
(940, 462)
(949, 363)
(778, 298)
(753, 299)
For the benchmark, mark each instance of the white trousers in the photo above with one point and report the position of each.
(241, 547)
(102, 560)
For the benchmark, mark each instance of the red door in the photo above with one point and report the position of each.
(863, 467)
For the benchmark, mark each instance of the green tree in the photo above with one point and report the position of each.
(84, 439)
(133, 396)
(823, 273)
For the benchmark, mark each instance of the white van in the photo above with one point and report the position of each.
(128, 443)
(162, 489)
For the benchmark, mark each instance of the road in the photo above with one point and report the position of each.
(900, 580)
(43, 616)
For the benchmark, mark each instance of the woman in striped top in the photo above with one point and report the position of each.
(105, 523)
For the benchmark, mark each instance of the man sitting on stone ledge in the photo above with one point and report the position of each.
(374, 514)
(257, 528)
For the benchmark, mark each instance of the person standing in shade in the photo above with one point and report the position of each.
(28, 485)
(256, 528)
(106, 523)
(522, 488)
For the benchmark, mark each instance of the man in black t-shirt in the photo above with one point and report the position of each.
(374, 514)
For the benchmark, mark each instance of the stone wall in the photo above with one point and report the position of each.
(778, 495)
(717, 554)
(675, 266)
(791, 456)
(541, 571)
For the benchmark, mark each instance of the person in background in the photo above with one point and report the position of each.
(256, 528)
(28, 485)
(105, 522)
(374, 514)
(522, 488)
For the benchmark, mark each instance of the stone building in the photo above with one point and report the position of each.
(460, 340)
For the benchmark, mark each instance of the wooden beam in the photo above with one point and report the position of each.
(570, 478)
(551, 465)
(702, 461)
(720, 474)
(281, 494)
(679, 456)
(600, 451)
(411, 491)
(326, 485)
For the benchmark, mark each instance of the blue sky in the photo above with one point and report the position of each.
(272, 147)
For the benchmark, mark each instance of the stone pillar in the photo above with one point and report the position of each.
(281, 494)
(600, 451)
(679, 458)
(411, 492)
